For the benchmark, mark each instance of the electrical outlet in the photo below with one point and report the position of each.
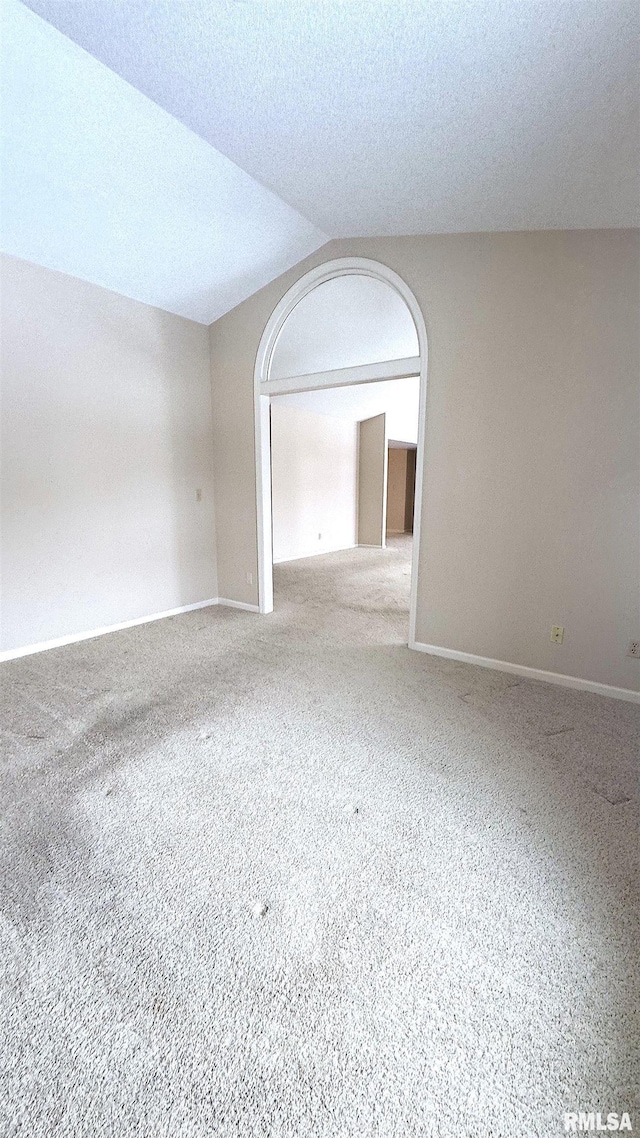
(198, 495)
(557, 633)
(634, 649)
(249, 578)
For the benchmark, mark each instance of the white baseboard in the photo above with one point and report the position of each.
(238, 605)
(531, 673)
(60, 641)
(312, 553)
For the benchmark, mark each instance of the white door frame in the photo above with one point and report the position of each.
(264, 389)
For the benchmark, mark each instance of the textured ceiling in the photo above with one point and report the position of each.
(100, 182)
(396, 116)
(345, 322)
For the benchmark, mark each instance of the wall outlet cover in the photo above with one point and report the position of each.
(634, 649)
(557, 633)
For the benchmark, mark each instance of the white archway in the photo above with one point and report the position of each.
(264, 388)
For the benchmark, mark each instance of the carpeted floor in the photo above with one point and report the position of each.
(445, 853)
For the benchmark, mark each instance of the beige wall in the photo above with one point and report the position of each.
(314, 466)
(106, 418)
(372, 480)
(396, 489)
(530, 495)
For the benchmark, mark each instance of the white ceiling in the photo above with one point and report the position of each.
(143, 165)
(398, 398)
(344, 322)
(397, 116)
(100, 182)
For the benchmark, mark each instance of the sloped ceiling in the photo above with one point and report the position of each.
(398, 398)
(100, 182)
(198, 148)
(397, 116)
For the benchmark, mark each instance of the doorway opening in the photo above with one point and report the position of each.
(346, 328)
(343, 467)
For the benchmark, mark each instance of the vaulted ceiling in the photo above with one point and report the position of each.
(232, 137)
(101, 183)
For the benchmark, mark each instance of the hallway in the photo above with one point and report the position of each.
(331, 594)
(446, 855)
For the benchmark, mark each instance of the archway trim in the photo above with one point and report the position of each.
(343, 266)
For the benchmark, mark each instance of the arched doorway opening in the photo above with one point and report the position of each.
(359, 347)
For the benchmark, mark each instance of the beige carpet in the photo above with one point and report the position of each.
(446, 855)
